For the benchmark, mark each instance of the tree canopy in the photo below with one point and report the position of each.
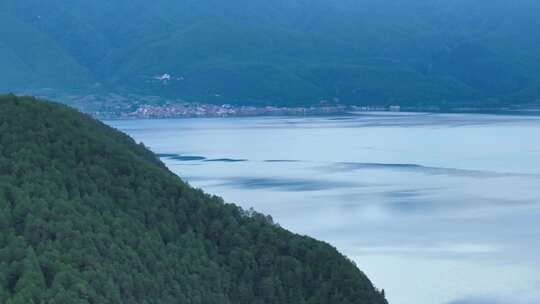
(89, 216)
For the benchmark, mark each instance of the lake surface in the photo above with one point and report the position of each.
(435, 208)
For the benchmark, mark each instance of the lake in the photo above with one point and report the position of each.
(435, 208)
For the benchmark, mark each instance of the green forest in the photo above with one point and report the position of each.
(279, 52)
(89, 216)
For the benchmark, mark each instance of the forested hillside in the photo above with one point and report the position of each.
(283, 52)
(89, 216)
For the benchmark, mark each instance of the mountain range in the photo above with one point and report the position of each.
(276, 52)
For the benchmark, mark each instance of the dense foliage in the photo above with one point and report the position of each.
(288, 52)
(89, 216)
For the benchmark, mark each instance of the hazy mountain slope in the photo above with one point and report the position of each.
(30, 59)
(89, 216)
(405, 51)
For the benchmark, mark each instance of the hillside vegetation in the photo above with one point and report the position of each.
(89, 216)
(282, 52)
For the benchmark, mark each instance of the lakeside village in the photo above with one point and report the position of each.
(116, 106)
(190, 110)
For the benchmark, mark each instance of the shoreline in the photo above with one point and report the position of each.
(315, 112)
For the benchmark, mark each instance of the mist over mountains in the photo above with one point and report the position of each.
(281, 52)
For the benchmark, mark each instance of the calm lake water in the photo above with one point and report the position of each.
(435, 208)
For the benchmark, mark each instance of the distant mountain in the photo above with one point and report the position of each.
(89, 216)
(281, 52)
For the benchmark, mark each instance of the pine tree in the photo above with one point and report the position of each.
(31, 285)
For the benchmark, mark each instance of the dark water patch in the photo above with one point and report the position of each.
(351, 166)
(226, 160)
(188, 158)
(166, 155)
(284, 184)
(410, 206)
(383, 165)
(342, 118)
(403, 193)
(181, 157)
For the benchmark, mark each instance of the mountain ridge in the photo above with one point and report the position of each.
(414, 53)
